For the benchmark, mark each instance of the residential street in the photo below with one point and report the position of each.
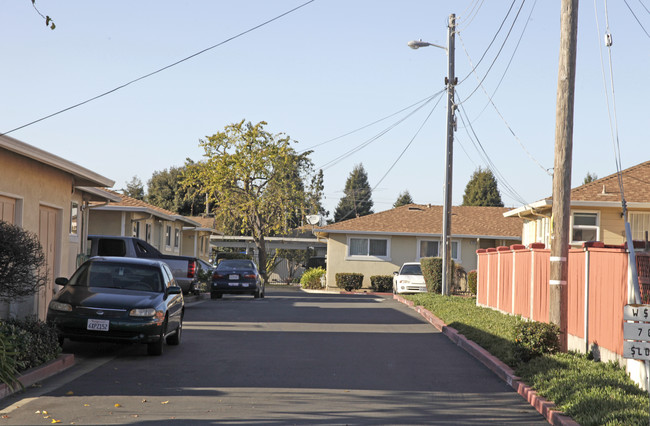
(290, 358)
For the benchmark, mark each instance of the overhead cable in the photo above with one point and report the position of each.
(160, 69)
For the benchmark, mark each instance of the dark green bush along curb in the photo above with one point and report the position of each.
(36, 374)
(544, 407)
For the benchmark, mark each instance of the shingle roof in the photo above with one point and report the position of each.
(129, 202)
(425, 219)
(636, 184)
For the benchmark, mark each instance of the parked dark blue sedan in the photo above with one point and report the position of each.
(236, 276)
(120, 299)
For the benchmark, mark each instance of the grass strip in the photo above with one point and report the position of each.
(592, 393)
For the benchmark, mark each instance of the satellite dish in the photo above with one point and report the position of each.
(313, 219)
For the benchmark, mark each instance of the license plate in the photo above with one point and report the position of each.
(97, 325)
(233, 284)
(233, 277)
(244, 284)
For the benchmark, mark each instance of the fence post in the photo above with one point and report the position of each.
(587, 254)
(514, 283)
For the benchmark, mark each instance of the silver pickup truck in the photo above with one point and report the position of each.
(184, 268)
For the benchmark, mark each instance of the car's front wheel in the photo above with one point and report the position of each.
(156, 348)
(175, 339)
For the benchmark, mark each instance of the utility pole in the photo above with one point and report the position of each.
(561, 217)
(447, 277)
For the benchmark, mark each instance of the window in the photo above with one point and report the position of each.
(585, 227)
(74, 218)
(429, 248)
(543, 230)
(433, 248)
(368, 247)
(136, 229)
(640, 224)
(177, 237)
(147, 232)
(168, 236)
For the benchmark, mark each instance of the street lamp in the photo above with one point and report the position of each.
(450, 81)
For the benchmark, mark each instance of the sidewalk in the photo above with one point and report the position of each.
(543, 406)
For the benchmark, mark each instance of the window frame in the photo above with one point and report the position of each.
(367, 256)
(457, 258)
(586, 227)
(74, 218)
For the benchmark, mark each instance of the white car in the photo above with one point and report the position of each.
(409, 279)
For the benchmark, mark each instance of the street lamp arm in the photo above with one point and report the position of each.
(416, 44)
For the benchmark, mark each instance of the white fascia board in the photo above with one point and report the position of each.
(135, 209)
(419, 234)
(37, 154)
(100, 193)
(200, 229)
(528, 207)
(270, 239)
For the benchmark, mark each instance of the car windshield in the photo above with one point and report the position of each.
(235, 264)
(411, 270)
(118, 275)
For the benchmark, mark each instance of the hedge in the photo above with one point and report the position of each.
(349, 281)
(472, 281)
(311, 278)
(381, 283)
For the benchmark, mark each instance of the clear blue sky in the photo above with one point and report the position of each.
(318, 73)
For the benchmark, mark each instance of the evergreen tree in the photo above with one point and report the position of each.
(134, 189)
(481, 190)
(357, 200)
(165, 191)
(403, 199)
(589, 178)
(315, 195)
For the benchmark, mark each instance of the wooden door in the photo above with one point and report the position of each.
(47, 236)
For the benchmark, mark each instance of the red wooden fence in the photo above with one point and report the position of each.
(515, 280)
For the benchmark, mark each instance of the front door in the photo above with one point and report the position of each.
(47, 236)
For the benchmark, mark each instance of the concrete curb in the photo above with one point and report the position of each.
(36, 374)
(544, 407)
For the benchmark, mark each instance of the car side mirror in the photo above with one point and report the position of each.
(61, 281)
(174, 290)
(395, 273)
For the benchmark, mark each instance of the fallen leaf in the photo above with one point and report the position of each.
(44, 412)
(37, 412)
(5, 416)
(135, 415)
(86, 405)
(69, 393)
(165, 402)
(56, 421)
(144, 400)
(118, 405)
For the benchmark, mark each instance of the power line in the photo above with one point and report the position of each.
(160, 69)
(491, 101)
(505, 185)
(364, 144)
(487, 49)
(396, 160)
(635, 17)
(473, 70)
(428, 98)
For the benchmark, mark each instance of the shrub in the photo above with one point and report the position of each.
(8, 370)
(472, 281)
(349, 281)
(35, 342)
(432, 271)
(22, 262)
(533, 339)
(311, 278)
(381, 283)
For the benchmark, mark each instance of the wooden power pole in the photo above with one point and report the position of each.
(561, 217)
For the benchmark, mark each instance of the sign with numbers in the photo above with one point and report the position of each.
(637, 333)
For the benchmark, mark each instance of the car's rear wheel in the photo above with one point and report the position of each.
(156, 348)
(256, 294)
(215, 295)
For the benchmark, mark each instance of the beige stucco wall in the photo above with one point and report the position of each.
(34, 185)
(191, 245)
(612, 226)
(402, 249)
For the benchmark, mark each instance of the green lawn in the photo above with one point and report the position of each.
(592, 393)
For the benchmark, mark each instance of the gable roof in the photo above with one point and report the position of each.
(605, 192)
(426, 220)
(131, 204)
(82, 176)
